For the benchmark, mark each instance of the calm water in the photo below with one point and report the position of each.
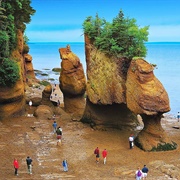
(165, 55)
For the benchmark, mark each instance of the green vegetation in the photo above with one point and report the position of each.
(9, 72)
(160, 147)
(56, 69)
(44, 83)
(14, 15)
(121, 38)
(26, 47)
(165, 147)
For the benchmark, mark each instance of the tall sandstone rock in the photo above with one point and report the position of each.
(72, 83)
(118, 90)
(145, 95)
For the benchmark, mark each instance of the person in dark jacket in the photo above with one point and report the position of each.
(29, 164)
(144, 172)
(96, 151)
(59, 135)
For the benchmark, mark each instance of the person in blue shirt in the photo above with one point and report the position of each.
(65, 165)
(54, 126)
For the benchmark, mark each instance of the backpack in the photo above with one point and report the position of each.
(139, 173)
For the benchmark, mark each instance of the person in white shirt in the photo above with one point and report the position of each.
(131, 141)
(30, 104)
(138, 174)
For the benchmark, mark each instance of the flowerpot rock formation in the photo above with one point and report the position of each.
(145, 95)
(118, 89)
(72, 83)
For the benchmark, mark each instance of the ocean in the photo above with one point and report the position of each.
(166, 55)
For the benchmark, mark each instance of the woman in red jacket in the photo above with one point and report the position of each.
(16, 166)
(104, 154)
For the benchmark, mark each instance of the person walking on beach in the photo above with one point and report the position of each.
(54, 126)
(144, 172)
(29, 164)
(131, 141)
(65, 165)
(178, 116)
(96, 151)
(138, 174)
(59, 135)
(16, 167)
(104, 154)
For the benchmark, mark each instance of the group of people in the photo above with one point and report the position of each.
(16, 165)
(29, 165)
(58, 131)
(97, 153)
(141, 174)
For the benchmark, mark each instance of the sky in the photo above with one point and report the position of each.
(61, 20)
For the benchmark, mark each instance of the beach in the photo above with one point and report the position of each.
(78, 143)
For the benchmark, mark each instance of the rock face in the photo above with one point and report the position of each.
(12, 99)
(118, 90)
(145, 94)
(72, 82)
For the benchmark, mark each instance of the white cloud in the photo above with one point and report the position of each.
(164, 33)
(56, 36)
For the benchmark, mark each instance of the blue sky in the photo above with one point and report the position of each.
(61, 20)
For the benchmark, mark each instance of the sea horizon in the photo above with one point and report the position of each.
(31, 42)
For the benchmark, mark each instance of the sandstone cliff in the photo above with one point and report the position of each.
(12, 99)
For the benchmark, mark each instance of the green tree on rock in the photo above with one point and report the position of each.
(121, 38)
(14, 15)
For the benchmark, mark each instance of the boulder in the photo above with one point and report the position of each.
(43, 112)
